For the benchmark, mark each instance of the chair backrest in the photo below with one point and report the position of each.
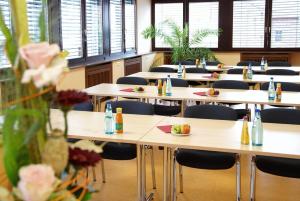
(281, 72)
(187, 62)
(132, 80)
(279, 64)
(133, 107)
(87, 106)
(211, 112)
(281, 115)
(212, 63)
(285, 86)
(230, 84)
(235, 71)
(162, 70)
(177, 82)
(195, 70)
(246, 63)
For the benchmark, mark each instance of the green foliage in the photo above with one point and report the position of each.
(179, 40)
(16, 151)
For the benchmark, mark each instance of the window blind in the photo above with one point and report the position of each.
(94, 35)
(71, 28)
(204, 15)
(115, 26)
(285, 27)
(248, 24)
(129, 25)
(7, 17)
(167, 11)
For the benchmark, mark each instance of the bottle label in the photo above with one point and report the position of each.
(119, 127)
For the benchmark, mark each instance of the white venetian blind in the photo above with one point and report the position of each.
(248, 24)
(94, 35)
(129, 25)
(285, 24)
(71, 28)
(115, 26)
(167, 11)
(204, 15)
(7, 17)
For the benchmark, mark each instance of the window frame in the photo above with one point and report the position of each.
(226, 25)
(55, 33)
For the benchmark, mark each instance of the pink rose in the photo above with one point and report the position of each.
(39, 54)
(36, 182)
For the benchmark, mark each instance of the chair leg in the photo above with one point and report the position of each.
(238, 178)
(103, 171)
(94, 174)
(153, 168)
(252, 179)
(181, 178)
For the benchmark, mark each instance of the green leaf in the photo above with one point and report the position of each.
(43, 22)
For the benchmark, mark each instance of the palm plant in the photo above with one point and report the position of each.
(180, 42)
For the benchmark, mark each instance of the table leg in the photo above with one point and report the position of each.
(166, 187)
(140, 173)
(95, 103)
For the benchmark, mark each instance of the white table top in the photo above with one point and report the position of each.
(205, 77)
(227, 67)
(280, 140)
(182, 93)
(90, 125)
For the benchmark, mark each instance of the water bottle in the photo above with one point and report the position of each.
(109, 120)
(262, 63)
(257, 130)
(203, 63)
(169, 87)
(250, 72)
(271, 90)
(179, 71)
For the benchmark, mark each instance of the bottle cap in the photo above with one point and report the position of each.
(169, 76)
(119, 110)
(257, 110)
(245, 118)
(272, 78)
(278, 84)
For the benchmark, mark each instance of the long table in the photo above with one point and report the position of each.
(227, 67)
(279, 140)
(259, 79)
(184, 94)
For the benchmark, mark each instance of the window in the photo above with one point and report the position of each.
(7, 17)
(116, 26)
(71, 26)
(94, 35)
(285, 32)
(204, 15)
(167, 11)
(129, 25)
(248, 24)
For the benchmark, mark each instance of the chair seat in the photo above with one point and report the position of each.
(241, 113)
(285, 167)
(119, 151)
(205, 159)
(166, 110)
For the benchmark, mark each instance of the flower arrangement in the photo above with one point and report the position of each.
(39, 162)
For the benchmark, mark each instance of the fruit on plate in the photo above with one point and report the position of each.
(139, 89)
(185, 129)
(215, 75)
(176, 129)
(220, 65)
(213, 92)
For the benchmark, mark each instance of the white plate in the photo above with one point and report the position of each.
(180, 135)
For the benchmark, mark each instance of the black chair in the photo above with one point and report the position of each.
(235, 71)
(285, 86)
(87, 106)
(210, 160)
(171, 110)
(125, 151)
(187, 62)
(281, 72)
(279, 64)
(132, 81)
(284, 167)
(246, 63)
(212, 63)
(234, 84)
(162, 70)
(195, 70)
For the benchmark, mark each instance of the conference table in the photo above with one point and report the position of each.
(279, 140)
(187, 93)
(198, 77)
(227, 67)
